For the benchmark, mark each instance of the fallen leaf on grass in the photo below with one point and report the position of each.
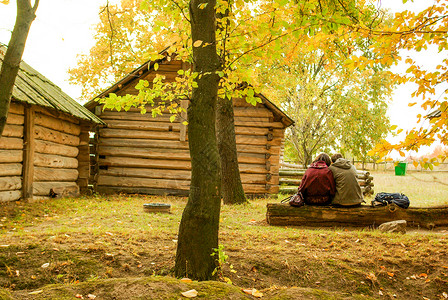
(423, 275)
(79, 296)
(380, 293)
(390, 274)
(190, 294)
(91, 296)
(45, 265)
(445, 295)
(186, 280)
(35, 292)
(254, 292)
(4, 246)
(371, 277)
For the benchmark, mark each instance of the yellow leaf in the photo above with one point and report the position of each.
(393, 127)
(4, 1)
(415, 163)
(197, 43)
(35, 292)
(156, 66)
(186, 280)
(190, 294)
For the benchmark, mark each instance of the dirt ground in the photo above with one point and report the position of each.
(56, 256)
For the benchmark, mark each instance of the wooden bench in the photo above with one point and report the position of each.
(282, 214)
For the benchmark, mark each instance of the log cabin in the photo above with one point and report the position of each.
(44, 149)
(137, 153)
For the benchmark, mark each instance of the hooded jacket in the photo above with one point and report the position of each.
(318, 186)
(348, 191)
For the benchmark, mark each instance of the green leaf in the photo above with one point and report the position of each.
(172, 118)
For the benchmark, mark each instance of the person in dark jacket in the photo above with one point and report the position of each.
(318, 186)
(348, 191)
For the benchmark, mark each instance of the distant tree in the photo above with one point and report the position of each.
(26, 13)
(332, 106)
(417, 32)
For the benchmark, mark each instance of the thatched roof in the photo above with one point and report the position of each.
(33, 88)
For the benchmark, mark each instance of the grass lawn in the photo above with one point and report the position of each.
(424, 189)
(109, 247)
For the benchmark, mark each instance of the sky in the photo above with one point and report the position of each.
(64, 29)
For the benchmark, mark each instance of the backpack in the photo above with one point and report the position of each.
(398, 199)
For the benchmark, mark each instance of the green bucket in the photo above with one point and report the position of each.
(400, 169)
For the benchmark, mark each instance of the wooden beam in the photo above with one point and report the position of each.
(327, 216)
(28, 154)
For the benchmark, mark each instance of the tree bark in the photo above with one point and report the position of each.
(198, 230)
(13, 56)
(232, 188)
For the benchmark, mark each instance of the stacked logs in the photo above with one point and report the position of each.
(290, 179)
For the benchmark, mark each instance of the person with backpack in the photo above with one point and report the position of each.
(348, 192)
(318, 186)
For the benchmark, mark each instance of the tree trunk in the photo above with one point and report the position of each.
(198, 230)
(13, 55)
(232, 188)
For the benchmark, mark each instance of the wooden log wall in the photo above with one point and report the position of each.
(11, 155)
(57, 139)
(140, 154)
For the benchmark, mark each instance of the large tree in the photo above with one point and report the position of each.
(26, 13)
(249, 34)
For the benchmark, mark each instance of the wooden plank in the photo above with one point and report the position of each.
(11, 156)
(108, 115)
(46, 147)
(15, 119)
(257, 131)
(28, 153)
(257, 169)
(10, 183)
(55, 161)
(143, 182)
(138, 134)
(57, 124)
(53, 174)
(142, 143)
(327, 216)
(16, 108)
(50, 135)
(175, 154)
(133, 190)
(255, 158)
(259, 189)
(176, 174)
(145, 163)
(143, 125)
(59, 189)
(56, 114)
(10, 143)
(261, 124)
(256, 140)
(7, 196)
(253, 111)
(13, 131)
(147, 173)
(273, 150)
(10, 169)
